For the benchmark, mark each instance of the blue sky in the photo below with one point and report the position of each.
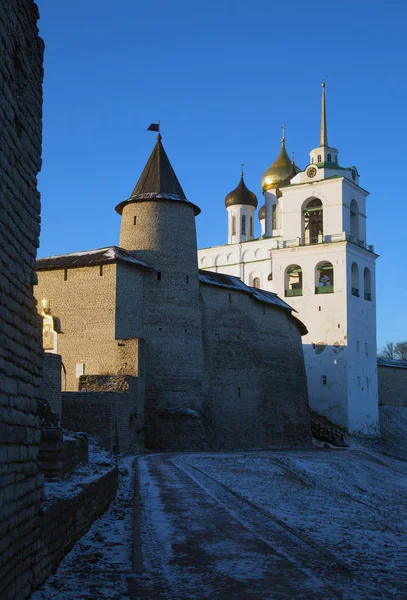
(222, 77)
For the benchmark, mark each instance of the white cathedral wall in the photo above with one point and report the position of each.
(325, 346)
(363, 409)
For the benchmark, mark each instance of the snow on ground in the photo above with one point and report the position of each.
(100, 462)
(97, 566)
(351, 502)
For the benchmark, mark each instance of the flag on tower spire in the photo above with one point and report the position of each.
(324, 131)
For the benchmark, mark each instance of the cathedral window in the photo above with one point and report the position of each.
(313, 222)
(329, 158)
(251, 226)
(65, 274)
(134, 220)
(187, 278)
(312, 159)
(324, 283)
(101, 271)
(336, 159)
(158, 275)
(367, 281)
(256, 282)
(233, 225)
(274, 217)
(243, 224)
(319, 159)
(355, 279)
(293, 281)
(354, 219)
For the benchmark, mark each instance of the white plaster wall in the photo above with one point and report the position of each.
(238, 211)
(363, 413)
(325, 317)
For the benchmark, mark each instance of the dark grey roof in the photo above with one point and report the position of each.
(390, 362)
(158, 181)
(234, 283)
(89, 258)
(241, 195)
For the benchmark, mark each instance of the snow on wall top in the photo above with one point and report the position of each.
(89, 258)
(390, 362)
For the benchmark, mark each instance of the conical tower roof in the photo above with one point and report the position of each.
(158, 181)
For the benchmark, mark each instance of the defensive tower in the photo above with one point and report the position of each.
(158, 226)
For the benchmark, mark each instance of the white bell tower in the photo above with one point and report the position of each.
(326, 271)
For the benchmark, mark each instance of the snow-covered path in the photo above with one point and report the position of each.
(272, 525)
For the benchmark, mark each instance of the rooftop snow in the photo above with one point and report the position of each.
(89, 258)
(390, 362)
(234, 283)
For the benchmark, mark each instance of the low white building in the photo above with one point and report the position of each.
(313, 251)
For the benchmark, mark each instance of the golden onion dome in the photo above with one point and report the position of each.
(279, 170)
(262, 213)
(241, 195)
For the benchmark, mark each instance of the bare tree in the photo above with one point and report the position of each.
(401, 350)
(388, 351)
(394, 350)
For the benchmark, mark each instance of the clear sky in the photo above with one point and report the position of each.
(222, 77)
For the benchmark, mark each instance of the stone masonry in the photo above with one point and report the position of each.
(21, 485)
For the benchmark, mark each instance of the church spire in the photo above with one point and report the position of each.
(324, 131)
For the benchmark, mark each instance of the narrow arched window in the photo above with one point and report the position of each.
(312, 160)
(324, 278)
(367, 281)
(329, 158)
(251, 226)
(274, 216)
(256, 282)
(243, 225)
(233, 225)
(319, 159)
(336, 159)
(355, 279)
(293, 281)
(313, 222)
(354, 219)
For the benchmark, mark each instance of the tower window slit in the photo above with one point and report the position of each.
(135, 220)
(251, 226)
(233, 225)
(243, 224)
(101, 270)
(65, 274)
(158, 275)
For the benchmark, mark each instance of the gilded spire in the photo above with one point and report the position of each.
(324, 131)
(282, 135)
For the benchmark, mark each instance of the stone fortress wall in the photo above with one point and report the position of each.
(392, 379)
(21, 489)
(97, 329)
(256, 387)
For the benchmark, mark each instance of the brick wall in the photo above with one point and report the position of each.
(21, 485)
(51, 382)
(392, 386)
(60, 454)
(64, 522)
(116, 418)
